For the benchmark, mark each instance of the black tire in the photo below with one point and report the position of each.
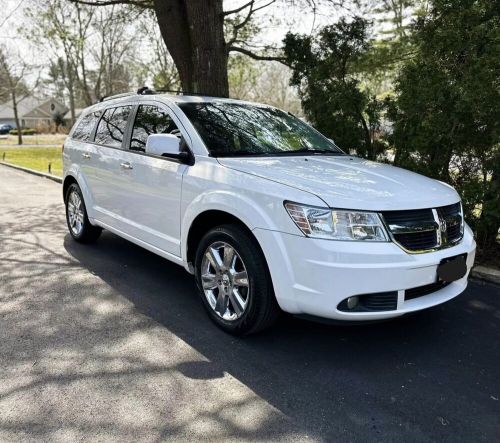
(88, 232)
(262, 308)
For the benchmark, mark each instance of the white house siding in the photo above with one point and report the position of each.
(32, 112)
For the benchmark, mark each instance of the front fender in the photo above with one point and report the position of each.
(240, 206)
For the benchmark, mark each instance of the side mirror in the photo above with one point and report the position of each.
(163, 144)
(168, 145)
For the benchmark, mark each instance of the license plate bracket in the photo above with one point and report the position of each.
(452, 268)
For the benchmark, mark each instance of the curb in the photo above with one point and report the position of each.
(32, 171)
(487, 274)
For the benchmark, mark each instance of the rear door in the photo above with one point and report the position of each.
(148, 200)
(85, 154)
(105, 181)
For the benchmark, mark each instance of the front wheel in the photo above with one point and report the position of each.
(76, 217)
(234, 282)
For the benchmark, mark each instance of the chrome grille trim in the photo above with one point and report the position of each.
(412, 230)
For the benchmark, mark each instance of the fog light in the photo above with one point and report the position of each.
(352, 302)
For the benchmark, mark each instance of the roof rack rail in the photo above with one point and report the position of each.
(111, 97)
(141, 91)
(179, 92)
(145, 90)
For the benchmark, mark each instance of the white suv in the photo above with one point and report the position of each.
(266, 212)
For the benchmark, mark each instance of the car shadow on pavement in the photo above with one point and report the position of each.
(422, 377)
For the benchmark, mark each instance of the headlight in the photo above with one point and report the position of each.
(337, 224)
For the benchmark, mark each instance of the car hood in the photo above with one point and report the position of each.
(350, 182)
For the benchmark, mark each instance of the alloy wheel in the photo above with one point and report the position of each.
(75, 213)
(225, 281)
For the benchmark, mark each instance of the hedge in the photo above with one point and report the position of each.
(27, 131)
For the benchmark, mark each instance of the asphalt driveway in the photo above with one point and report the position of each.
(109, 342)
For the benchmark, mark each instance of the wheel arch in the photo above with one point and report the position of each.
(204, 222)
(74, 177)
(209, 219)
(68, 181)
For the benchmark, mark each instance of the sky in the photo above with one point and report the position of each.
(277, 21)
(10, 21)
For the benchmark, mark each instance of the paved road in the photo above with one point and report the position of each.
(109, 342)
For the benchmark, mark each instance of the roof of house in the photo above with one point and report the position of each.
(78, 111)
(26, 106)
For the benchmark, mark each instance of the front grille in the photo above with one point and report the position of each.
(420, 291)
(453, 225)
(449, 210)
(401, 217)
(422, 230)
(418, 241)
(454, 232)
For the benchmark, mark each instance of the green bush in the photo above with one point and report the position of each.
(446, 108)
(26, 131)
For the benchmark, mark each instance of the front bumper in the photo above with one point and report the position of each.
(312, 276)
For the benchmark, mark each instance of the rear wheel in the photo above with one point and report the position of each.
(234, 282)
(76, 217)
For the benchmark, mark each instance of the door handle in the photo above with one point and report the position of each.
(126, 165)
(85, 155)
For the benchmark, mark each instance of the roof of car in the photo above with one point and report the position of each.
(133, 98)
(176, 97)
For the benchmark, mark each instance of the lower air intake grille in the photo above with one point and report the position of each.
(381, 301)
(412, 293)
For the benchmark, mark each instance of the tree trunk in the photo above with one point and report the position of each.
(72, 105)
(193, 31)
(368, 151)
(71, 91)
(16, 117)
(87, 97)
(209, 47)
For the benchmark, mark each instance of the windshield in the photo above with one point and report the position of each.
(235, 129)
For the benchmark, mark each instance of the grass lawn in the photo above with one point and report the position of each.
(34, 158)
(38, 139)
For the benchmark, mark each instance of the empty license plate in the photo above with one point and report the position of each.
(453, 268)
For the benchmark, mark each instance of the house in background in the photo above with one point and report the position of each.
(33, 112)
(67, 117)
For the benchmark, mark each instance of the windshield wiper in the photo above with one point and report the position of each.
(278, 153)
(312, 152)
(241, 154)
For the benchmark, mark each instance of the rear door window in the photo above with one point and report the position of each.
(150, 120)
(112, 126)
(84, 129)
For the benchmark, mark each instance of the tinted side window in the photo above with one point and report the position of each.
(150, 120)
(112, 126)
(86, 126)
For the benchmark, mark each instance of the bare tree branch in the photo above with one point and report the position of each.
(246, 20)
(264, 6)
(257, 56)
(11, 13)
(140, 3)
(235, 11)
